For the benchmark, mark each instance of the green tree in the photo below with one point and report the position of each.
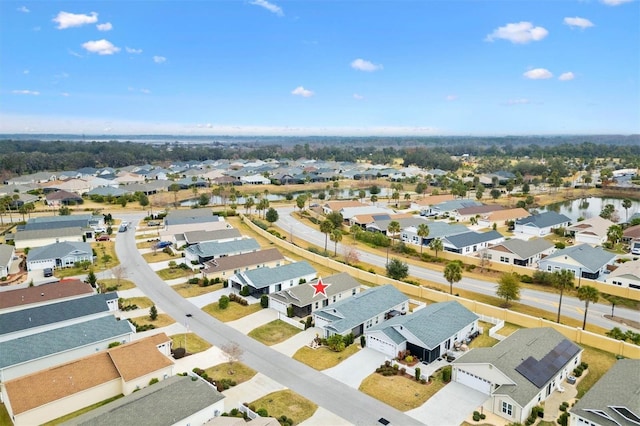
(423, 232)
(153, 313)
(64, 211)
(143, 200)
(326, 226)
(393, 229)
(480, 192)
(626, 204)
(223, 302)
(374, 199)
(335, 218)
(562, 280)
(453, 274)
(336, 237)
(495, 193)
(92, 279)
(300, 201)
(361, 195)
(335, 342)
(508, 288)
(526, 188)
(436, 245)
(272, 215)
(175, 188)
(353, 230)
(397, 269)
(203, 200)
(248, 203)
(588, 294)
(614, 233)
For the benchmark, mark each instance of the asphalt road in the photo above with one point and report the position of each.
(571, 306)
(348, 403)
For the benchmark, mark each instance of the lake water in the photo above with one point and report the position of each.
(590, 207)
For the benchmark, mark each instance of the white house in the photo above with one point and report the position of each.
(59, 255)
(471, 242)
(270, 280)
(541, 224)
(625, 275)
(520, 252)
(591, 231)
(583, 260)
(7, 253)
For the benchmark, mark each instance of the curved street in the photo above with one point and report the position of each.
(348, 403)
(571, 306)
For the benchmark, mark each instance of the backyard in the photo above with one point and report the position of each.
(274, 332)
(286, 403)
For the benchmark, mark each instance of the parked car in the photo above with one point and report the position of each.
(163, 244)
(103, 237)
(47, 272)
(123, 228)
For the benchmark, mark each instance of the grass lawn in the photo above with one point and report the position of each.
(400, 392)
(172, 274)
(145, 244)
(274, 332)
(159, 256)
(163, 320)
(192, 290)
(195, 343)
(124, 284)
(288, 403)
(75, 414)
(147, 236)
(323, 358)
(484, 340)
(142, 302)
(4, 415)
(241, 373)
(508, 329)
(233, 312)
(107, 248)
(599, 363)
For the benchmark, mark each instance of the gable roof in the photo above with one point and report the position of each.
(48, 233)
(595, 225)
(181, 217)
(617, 388)
(543, 220)
(592, 258)
(6, 254)
(349, 313)
(162, 404)
(239, 261)
(432, 324)
(632, 232)
(194, 237)
(484, 208)
(39, 345)
(43, 293)
(470, 238)
(506, 214)
(525, 249)
(127, 357)
(438, 229)
(48, 222)
(337, 205)
(628, 269)
(451, 205)
(58, 250)
(434, 199)
(303, 295)
(263, 277)
(509, 354)
(215, 248)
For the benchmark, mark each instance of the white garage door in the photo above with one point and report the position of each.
(474, 382)
(381, 346)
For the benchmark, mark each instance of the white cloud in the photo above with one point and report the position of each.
(25, 72)
(521, 101)
(101, 47)
(76, 54)
(615, 2)
(145, 91)
(538, 74)
(363, 65)
(269, 6)
(519, 33)
(132, 50)
(358, 97)
(159, 59)
(578, 22)
(566, 76)
(65, 94)
(451, 97)
(69, 20)
(301, 91)
(23, 9)
(104, 27)
(25, 92)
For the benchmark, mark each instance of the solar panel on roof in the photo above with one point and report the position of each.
(540, 372)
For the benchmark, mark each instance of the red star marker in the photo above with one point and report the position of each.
(320, 288)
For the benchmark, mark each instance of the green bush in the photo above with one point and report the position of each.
(446, 374)
(245, 291)
(264, 301)
(262, 412)
(560, 245)
(153, 381)
(223, 303)
(526, 279)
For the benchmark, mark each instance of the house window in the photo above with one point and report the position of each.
(504, 259)
(507, 408)
(549, 268)
(353, 292)
(334, 299)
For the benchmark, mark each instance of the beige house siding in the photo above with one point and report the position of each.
(143, 381)
(41, 242)
(224, 275)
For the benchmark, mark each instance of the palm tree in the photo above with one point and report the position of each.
(393, 228)
(336, 237)
(587, 294)
(562, 280)
(423, 232)
(453, 274)
(626, 204)
(248, 204)
(354, 229)
(436, 245)
(614, 234)
(326, 226)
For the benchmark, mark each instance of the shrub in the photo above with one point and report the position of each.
(560, 245)
(563, 420)
(179, 353)
(417, 373)
(223, 303)
(409, 359)
(363, 341)
(194, 280)
(309, 322)
(526, 279)
(446, 374)
(476, 416)
(290, 311)
(113, 344)
(264, 301)
(153, 381)
(262, 412)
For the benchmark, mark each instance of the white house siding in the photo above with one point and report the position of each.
(624, 281)
(278, 305)
(380, 342)
(590, 239)
(473, 381)
(516, 410)
(41, 242)
(203, 416)
(273, 288)
(67, 405)
(143, 381)
(38, 265)
(532, 230)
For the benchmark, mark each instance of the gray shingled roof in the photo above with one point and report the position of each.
(303, 295)
(507, 355)
(240, 261)
(214, 248)
(619, 387)
(162, 404)
(439, 229)
(592, 258)
(62, 339)
(195, 237)
(6, 253)
(48, 233)
(58, 250)
(54, 312)
(543, 220)
(447, 206)
(526, 249)
(181, 217)
(470, 238)
(347, 314)
(263, 277)
(432, 325)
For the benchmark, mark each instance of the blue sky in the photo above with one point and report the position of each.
(386, 67)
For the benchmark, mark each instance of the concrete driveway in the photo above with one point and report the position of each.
(259, 386)
(291, 345)
(323, 417)
(255, 320)
(449, 406)
(353, 370)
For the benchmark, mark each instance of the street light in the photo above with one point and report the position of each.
(186, 322)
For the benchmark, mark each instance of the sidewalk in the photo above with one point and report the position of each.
(255, 320)
(259, 386)
(293, 344)
(209, 298)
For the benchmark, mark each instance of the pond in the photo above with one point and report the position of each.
(590, 207)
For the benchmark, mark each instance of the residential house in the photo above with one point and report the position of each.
(107, 191)
(348, 213)
(466, 213)
(239, 421)
(336, 206)
(69, 221)
(40, 177)
(437, 229)
(519, 372)
(126, 178)
(424, 204)
(37, 319)
(7, 255)
(75, 186)
(178, 400)
(427, 333)
(520, 252)
(625, 275)
(13, 300)
(43, 396)
(381, 222)
(471, 242)
(631, 234)
(502, 217)
(63, 198)
(614, 400)
(583, 260)
(181, 221)
(590, 231)
(361, 311)
(28, 354)
(194, 237)
(45, 237)
(304, 300)
(255, 180)
(541, 224)
(270, 280)
(449, 208)
(224, 267)
(59, 255)
(203, 252)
